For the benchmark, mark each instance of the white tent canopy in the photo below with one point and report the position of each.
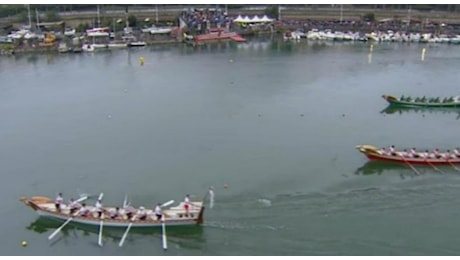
(239, 19)
(265, 19)
(254, 19)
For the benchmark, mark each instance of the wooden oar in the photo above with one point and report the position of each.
(131, 223)
(167, 203)
(125, 201)
(165, 245)
(82, 199)
(63, 225)
(126, 233)
(99, 241)
(451, 164)
(410, 165)
(434, 167)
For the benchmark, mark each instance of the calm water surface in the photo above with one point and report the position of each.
(277, 122)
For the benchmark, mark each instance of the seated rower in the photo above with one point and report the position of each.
(404, 153)
(392, 150)
(425, 155)
(436, 153)
(74, 206)
(141, 213)
(158, 212)
(58, 202)
(129, 211)
(447, 155)
(413, 153)
(114, 213)
(457, 152)
(83, 211)
(98, 208)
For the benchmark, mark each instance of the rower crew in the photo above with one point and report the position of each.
(114, 213)
(158, 213)
(58, 201)
(141, 213)
(73, 206)
(83, 211)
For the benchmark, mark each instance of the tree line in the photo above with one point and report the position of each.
(7, 10)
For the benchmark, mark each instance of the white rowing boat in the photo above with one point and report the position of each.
(173, 216)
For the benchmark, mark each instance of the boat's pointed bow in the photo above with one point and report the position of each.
(366, 148)
(389, 98)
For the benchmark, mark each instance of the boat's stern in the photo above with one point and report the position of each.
(200, 218)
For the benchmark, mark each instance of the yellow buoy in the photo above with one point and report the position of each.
(141, 60)
(24, 243)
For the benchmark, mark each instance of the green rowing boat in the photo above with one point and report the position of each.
(423, 101)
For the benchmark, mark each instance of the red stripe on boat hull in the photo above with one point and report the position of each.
(411, 160)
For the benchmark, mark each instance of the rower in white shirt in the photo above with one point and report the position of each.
(74, 205)
(413, 153)
(457, 152)
(436, 153)
(426, 154)
(114, 213)
(129, 211)
(98, 208)
(58, 202)
(187, 203)
(83, 211)
(141, 213)
(158, 212)
(392, 150)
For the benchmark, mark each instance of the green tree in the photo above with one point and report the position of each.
(82, 27)
(272, 10)
(132, 20)
(369, 17)
(52, 16)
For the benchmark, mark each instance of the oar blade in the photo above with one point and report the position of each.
(125, 201)
(165, 243)
(100, 196)
(167, 203)
(99, 241)
(82, 199)
(124, 235)
(59, 229)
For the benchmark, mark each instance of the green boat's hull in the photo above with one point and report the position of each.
(397, 102)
